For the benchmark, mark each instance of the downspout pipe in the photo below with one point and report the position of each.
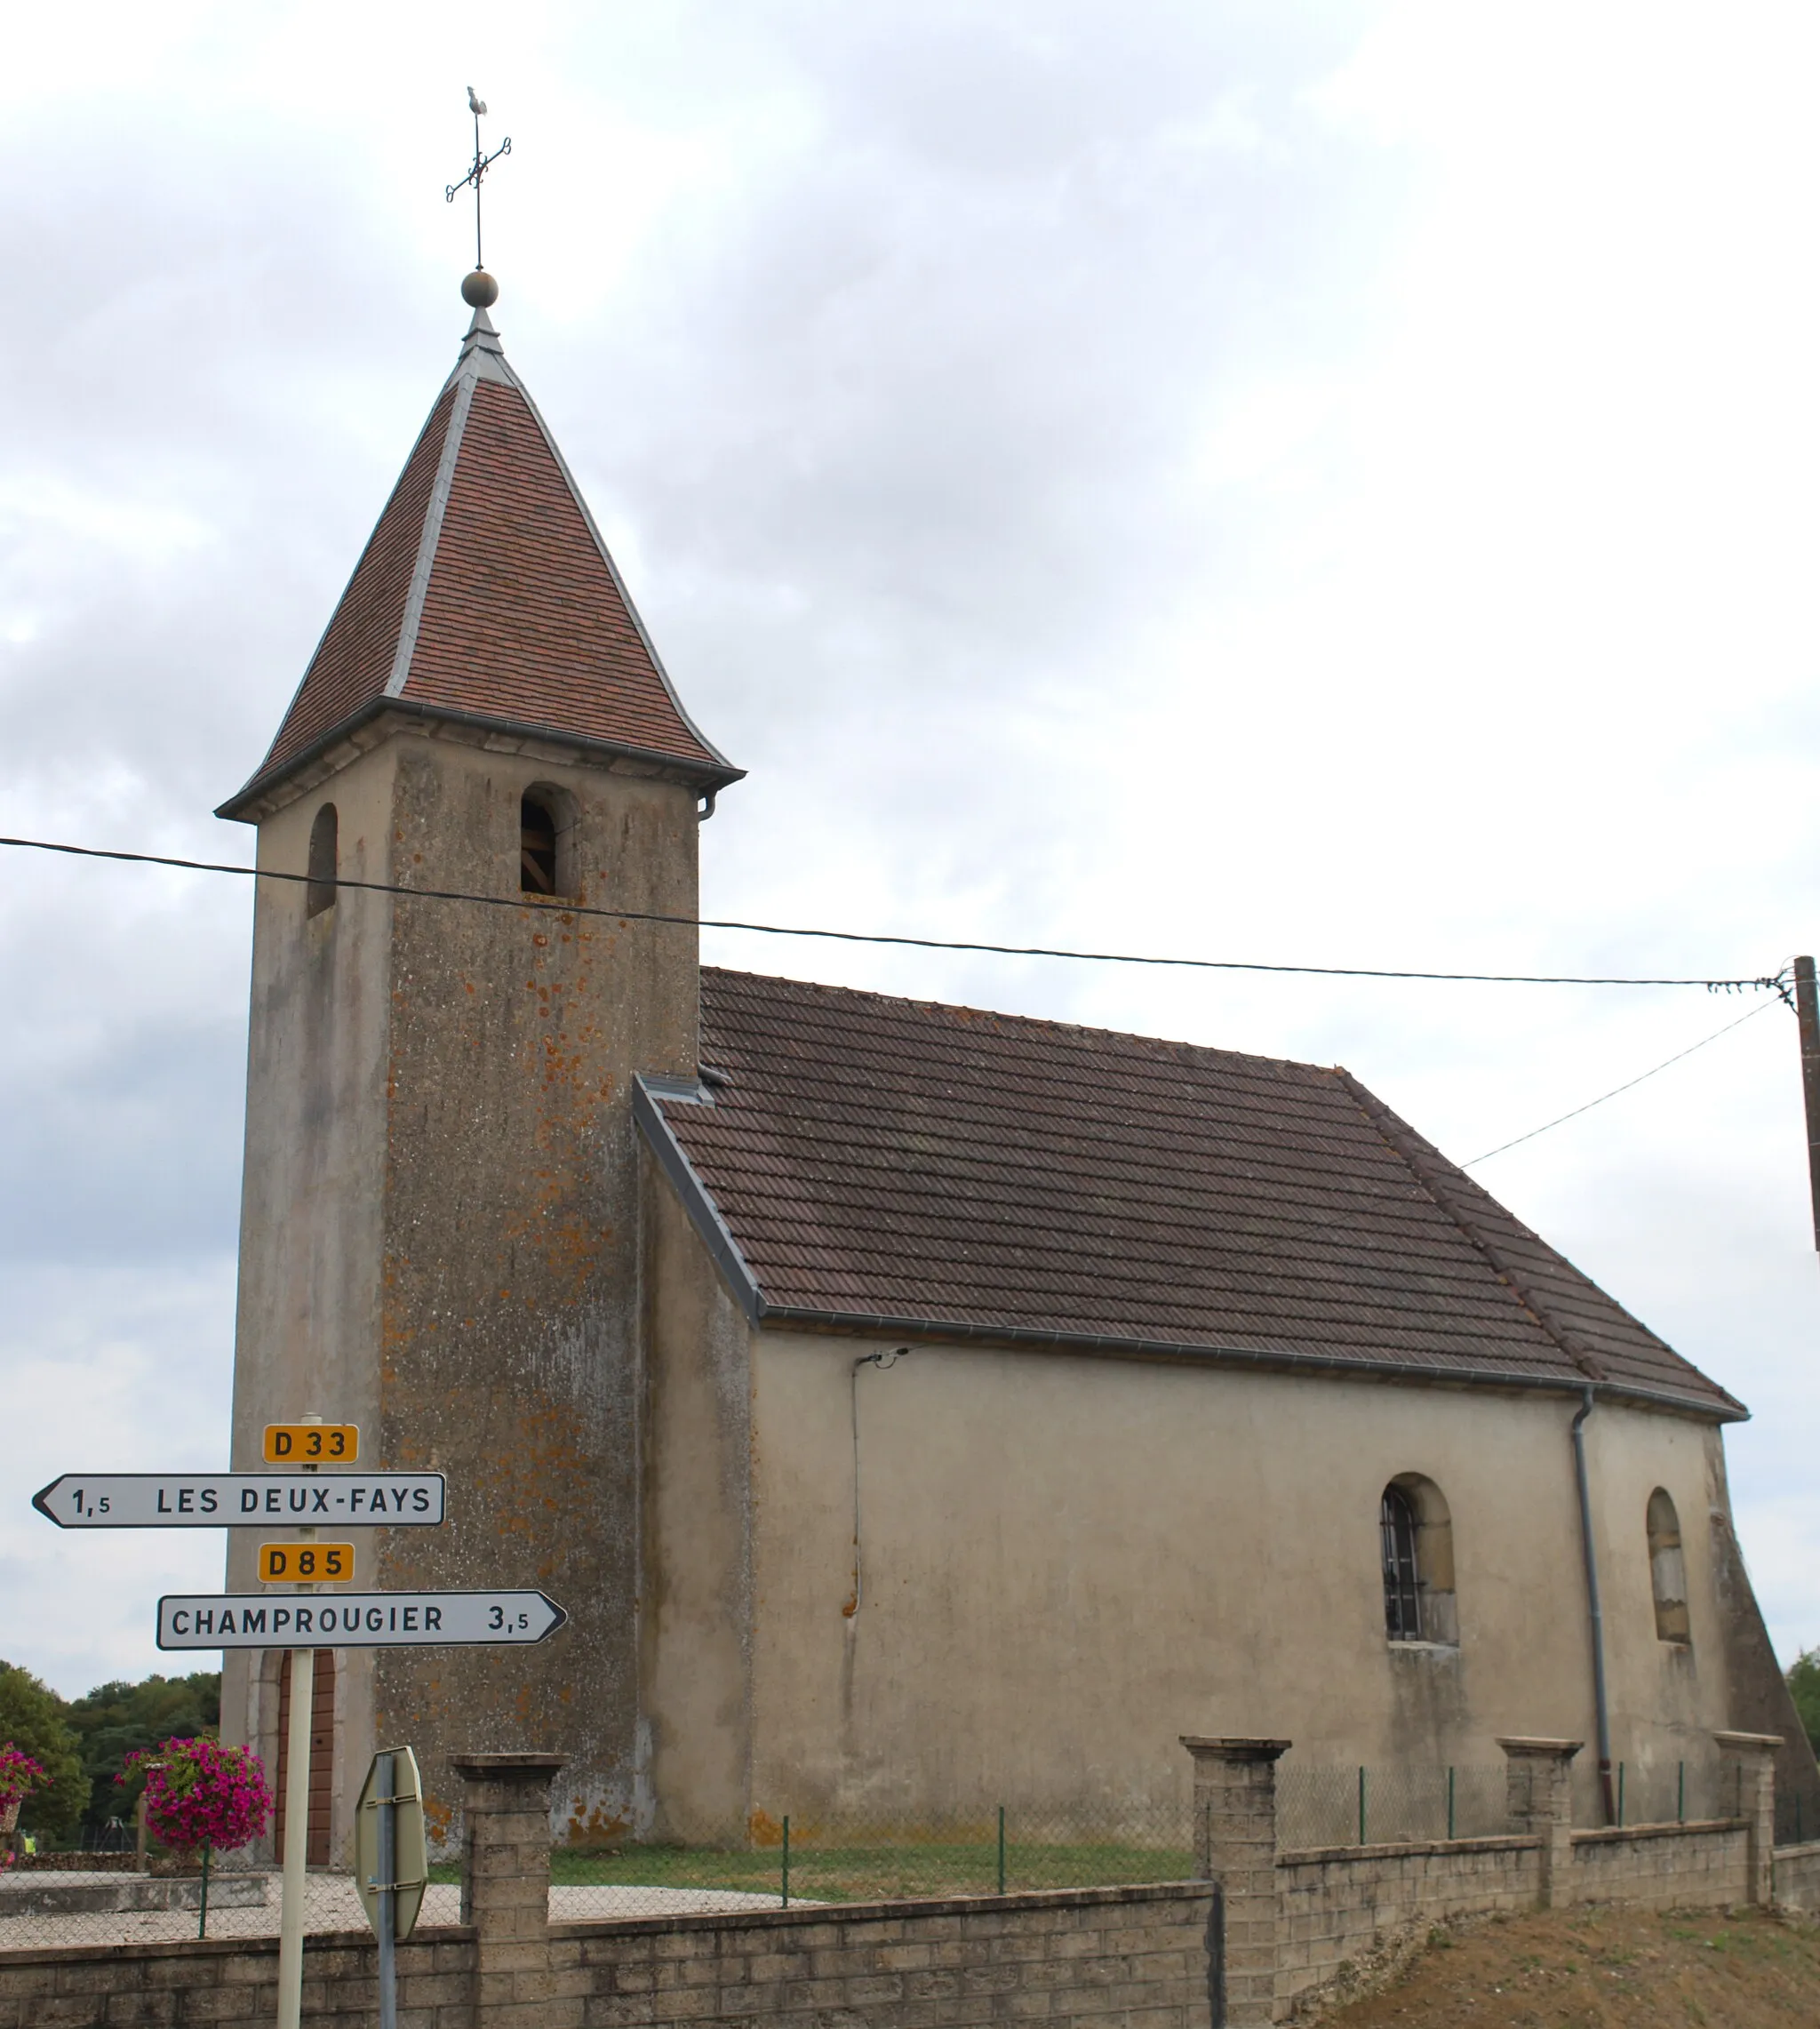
(885, 1363)
(1600, 1705)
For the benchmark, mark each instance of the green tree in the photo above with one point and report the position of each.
(1804, 1685)
(117, 1718)
(34, 1718)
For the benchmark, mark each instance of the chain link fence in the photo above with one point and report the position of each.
(76, 1898)
(820, 1857)
(1320, 1808)
(52, 1898)
(1676, 1792)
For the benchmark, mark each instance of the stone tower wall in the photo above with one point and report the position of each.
(440, 1226)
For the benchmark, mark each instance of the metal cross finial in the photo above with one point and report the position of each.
(482, 164)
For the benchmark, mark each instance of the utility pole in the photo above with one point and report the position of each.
(1808, 1016)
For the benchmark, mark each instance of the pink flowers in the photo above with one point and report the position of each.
(19, 1776)
(199, 1794)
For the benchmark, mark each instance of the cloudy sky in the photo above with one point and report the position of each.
(1317, 482)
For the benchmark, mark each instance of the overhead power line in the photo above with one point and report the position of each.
(1769, 982)
(1760, 1008)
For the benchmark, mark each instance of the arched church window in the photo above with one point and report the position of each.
(537, 855)
(1416, 1547)
(1668, 1573)
(1402, 1594)
(319, 894)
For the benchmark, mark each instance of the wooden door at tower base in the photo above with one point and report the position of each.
(322, 1756)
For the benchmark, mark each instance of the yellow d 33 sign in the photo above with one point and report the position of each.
(312, 1443)
(306, 1564)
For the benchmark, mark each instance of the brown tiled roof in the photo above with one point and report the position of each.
(894, 1162)
(485, 594)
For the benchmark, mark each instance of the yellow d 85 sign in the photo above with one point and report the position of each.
(306, 1564)
(312, 1443)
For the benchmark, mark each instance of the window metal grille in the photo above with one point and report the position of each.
(1402, 1594)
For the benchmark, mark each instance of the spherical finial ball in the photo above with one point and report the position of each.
(479, 289)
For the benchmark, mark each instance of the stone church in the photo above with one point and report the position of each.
(913, 1407)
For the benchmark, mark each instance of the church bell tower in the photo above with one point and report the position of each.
(440, 1213)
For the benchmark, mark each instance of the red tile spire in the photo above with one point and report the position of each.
(485, 595)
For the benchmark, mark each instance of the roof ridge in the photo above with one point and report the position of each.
(410, 620)
(1437, 1177)
(1043, 1022)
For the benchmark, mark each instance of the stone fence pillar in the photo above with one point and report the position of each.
(1539, 1799)
(1752, 1758)
(1235, 1848)
(506, 1889)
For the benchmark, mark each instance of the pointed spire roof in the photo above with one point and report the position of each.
(485, 595)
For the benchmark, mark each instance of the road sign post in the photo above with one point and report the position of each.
(387, 1888)
(303, 1694)
(303, 1699)
(391, 1860)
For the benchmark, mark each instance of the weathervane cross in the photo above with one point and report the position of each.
(481, 164)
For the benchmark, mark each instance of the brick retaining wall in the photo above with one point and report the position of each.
(1292, 1921)
(1335, 1904)
(1084, 1956)
(1663, 1867)
(1081, 1956)
(1798, 1877)
(233, 1983)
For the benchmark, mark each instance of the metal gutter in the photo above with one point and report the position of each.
(1285, 1361)
(1600, 1705)
(689, 772)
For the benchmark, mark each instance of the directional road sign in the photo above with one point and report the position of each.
(234, 1500)
(306, 1564)
(356, 1620)
(311, 1444)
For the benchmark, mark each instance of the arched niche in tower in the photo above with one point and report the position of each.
(324, 861)
(546, 824)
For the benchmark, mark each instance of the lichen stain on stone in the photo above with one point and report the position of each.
(597, 1825)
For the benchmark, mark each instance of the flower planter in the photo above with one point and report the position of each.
(9, 1808)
